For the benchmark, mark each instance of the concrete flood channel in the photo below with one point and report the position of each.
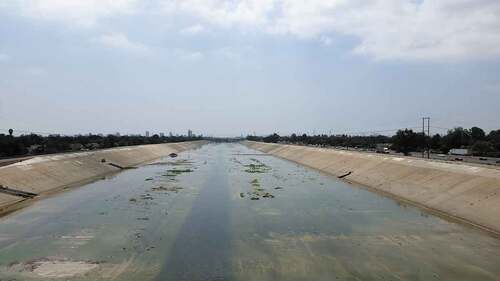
(225, 212)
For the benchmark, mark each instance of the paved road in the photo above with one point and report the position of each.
(491, 161)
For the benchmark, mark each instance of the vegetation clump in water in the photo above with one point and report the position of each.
(176, 172)
(256, 167)
(257, 191)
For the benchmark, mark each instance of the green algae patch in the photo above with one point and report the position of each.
(176, 172)
(257, 168)
(257, 191)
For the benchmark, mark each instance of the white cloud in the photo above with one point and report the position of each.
(78, 12)
(121, 41)
(223, 12)
(194, 29)
(434, 30)
(431, 30)
(386, 29)
(4, 57)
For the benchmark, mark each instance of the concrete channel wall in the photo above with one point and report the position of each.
(47, 174)
(464, 192)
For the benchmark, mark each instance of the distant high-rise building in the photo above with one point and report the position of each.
(147, 134)
(162, 135)
(190, 133)
(170, 134)
(117, 134)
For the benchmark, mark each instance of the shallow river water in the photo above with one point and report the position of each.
(225, 212)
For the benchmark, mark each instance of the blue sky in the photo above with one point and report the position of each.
(225, 68)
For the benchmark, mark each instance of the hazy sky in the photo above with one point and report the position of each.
(227, 67)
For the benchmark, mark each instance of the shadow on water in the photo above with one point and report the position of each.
(202, 248)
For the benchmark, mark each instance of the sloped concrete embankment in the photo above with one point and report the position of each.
(465, 192)
(47, 174)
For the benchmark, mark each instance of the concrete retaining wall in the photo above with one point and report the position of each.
(47, 174)
(464, 192)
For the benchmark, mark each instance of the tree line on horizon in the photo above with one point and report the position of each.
(405, 141)
(34, 144)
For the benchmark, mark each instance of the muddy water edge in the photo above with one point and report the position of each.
(225, 212)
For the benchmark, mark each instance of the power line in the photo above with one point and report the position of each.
(442, 128)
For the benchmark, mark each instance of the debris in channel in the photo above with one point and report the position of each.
(344, 175)
(16, 192)
(268, 195)
(146, 196)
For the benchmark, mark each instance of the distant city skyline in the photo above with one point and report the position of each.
(226, 68)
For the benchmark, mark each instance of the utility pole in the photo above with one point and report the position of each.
(426, 145)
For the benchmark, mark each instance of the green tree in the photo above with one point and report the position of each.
(436, 141)
(494, 139)
(457, 138)
(481, 148)
(477, 134)
(405, 141)
(272, 138)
